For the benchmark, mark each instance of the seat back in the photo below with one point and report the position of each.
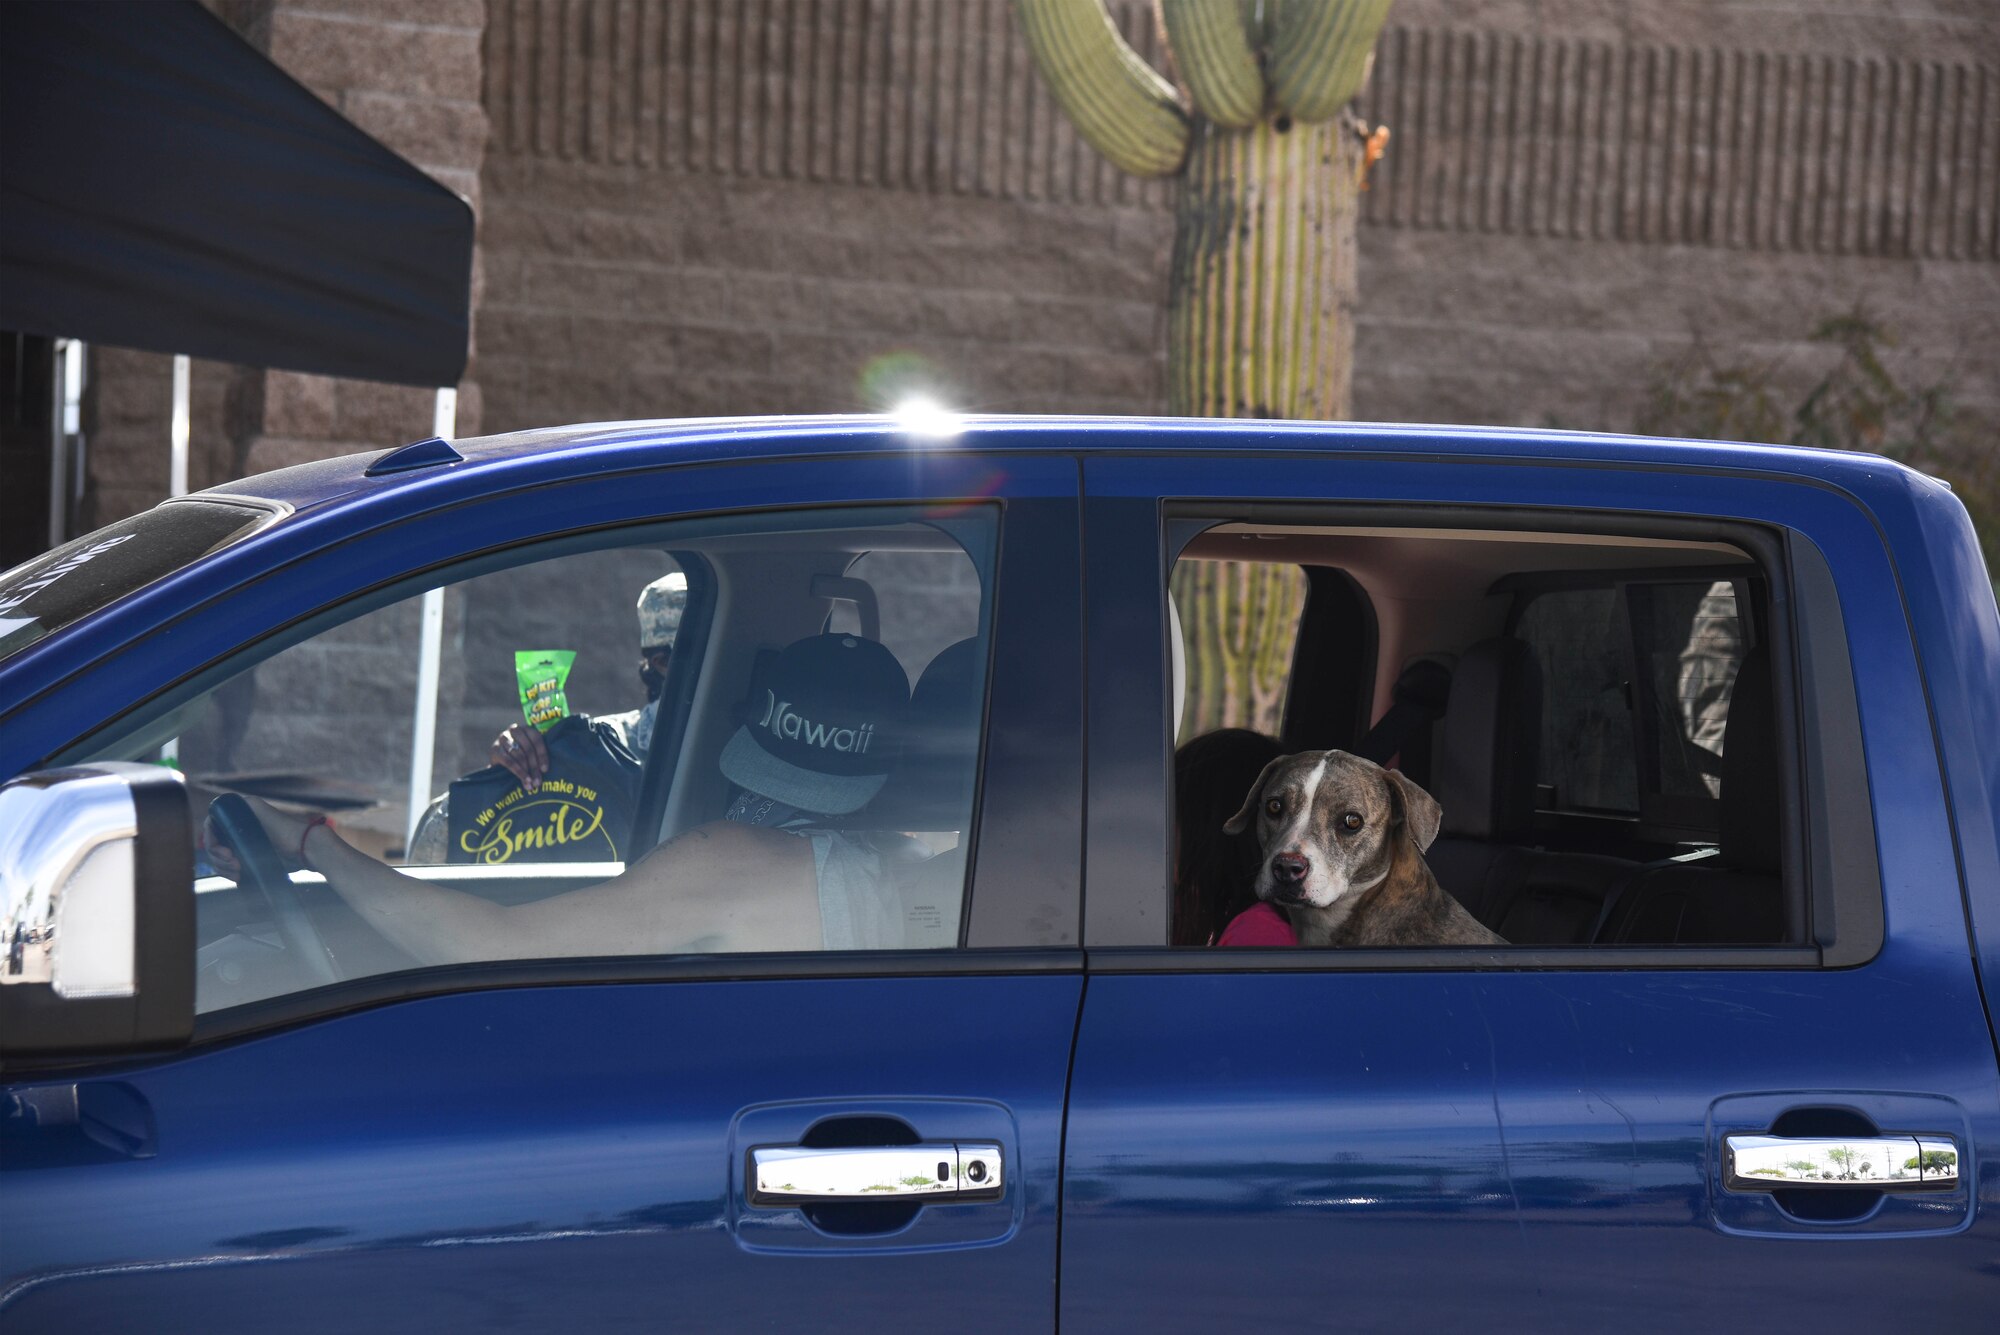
(1737, 897)
(1483, 773)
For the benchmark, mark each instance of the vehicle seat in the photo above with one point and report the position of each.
(1405, 732)
(931, 787)
(1486, 772)
(1483, 771)
(930, 791)
(1737, 897)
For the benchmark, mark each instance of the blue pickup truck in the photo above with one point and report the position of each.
(927, 1039)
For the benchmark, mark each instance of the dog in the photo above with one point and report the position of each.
(1343, 843)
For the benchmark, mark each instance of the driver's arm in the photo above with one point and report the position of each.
(719, 887)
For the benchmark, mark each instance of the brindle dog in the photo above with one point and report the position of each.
(1343, 843)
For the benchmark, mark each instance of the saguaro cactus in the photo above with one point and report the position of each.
(1261, 294)
(1261, 297)
(1238, 622)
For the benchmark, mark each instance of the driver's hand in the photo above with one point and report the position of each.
(284, 832)
(522, 753)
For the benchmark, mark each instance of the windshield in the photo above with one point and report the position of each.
(79, 577)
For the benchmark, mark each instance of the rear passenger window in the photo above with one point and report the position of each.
(1581, 639)
(1637, 678)
(1596, 718)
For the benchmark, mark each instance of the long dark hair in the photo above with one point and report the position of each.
(1214, 872)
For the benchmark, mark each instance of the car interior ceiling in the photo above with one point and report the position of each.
(1443, 601)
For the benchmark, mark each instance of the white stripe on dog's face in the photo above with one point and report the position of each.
(1299, 832)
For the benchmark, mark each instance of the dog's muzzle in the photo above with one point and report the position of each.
(1288, 877)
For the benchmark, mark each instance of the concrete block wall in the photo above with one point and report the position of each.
(728, 207)
(126, 420)
(721, 206)
(614, 294)
(1576, 193)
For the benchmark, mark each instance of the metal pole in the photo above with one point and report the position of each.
(177, 461)
(430, 649)
(58, 451)
(72, 408)
(177, 485)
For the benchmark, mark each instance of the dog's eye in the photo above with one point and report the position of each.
(1351, 821)
(1274, 808)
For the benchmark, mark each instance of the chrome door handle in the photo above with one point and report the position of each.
(1875, 1163)
(797, 1174)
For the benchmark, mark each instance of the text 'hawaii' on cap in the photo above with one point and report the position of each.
(826, 728)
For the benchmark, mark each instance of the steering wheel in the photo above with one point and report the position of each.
(263, 870)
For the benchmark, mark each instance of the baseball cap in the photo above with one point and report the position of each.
(661, 605)
(826, 726)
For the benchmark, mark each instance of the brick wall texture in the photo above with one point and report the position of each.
(725, 206)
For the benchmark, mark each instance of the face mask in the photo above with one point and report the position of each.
(642, 732)
(655, 682)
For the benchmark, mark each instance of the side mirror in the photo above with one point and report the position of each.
(96, 911)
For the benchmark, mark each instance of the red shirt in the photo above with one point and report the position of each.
(1259, 925)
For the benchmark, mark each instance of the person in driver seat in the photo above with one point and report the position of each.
(776, 873)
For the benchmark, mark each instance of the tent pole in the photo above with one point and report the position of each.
(177, 461)
(59, 466)
(430, 647)
(177, 485)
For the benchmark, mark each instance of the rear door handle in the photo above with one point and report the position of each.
(1875, 1163)
(798, 1175)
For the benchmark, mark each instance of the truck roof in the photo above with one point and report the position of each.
(529, 456)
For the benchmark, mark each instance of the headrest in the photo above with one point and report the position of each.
(1484, 773)
(1425, 684)
(1751, 814)
(932, 788)
(829, 728)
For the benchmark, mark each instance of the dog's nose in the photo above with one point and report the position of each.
(1289, 867)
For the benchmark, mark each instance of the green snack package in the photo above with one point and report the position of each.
(542, 673)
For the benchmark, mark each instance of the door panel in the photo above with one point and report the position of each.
(1274, 1141)
(562, 1156)
(1379, 1151)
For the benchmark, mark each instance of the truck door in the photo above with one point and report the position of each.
(1602, 1123)
(651, 1139)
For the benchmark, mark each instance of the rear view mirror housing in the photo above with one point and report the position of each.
(96, 911)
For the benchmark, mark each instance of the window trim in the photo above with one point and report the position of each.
(1831, 871)
(351, 996)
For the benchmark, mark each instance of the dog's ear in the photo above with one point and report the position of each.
(1241, 820)
(1421, 812)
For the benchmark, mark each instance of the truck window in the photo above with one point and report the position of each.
(802, 693)
(1597, 716)
(1637, 678)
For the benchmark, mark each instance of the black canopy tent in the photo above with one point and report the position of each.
(164, 186)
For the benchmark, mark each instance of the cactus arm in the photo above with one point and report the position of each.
(1212, 48)
(1319, 53)
(1119, 104)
